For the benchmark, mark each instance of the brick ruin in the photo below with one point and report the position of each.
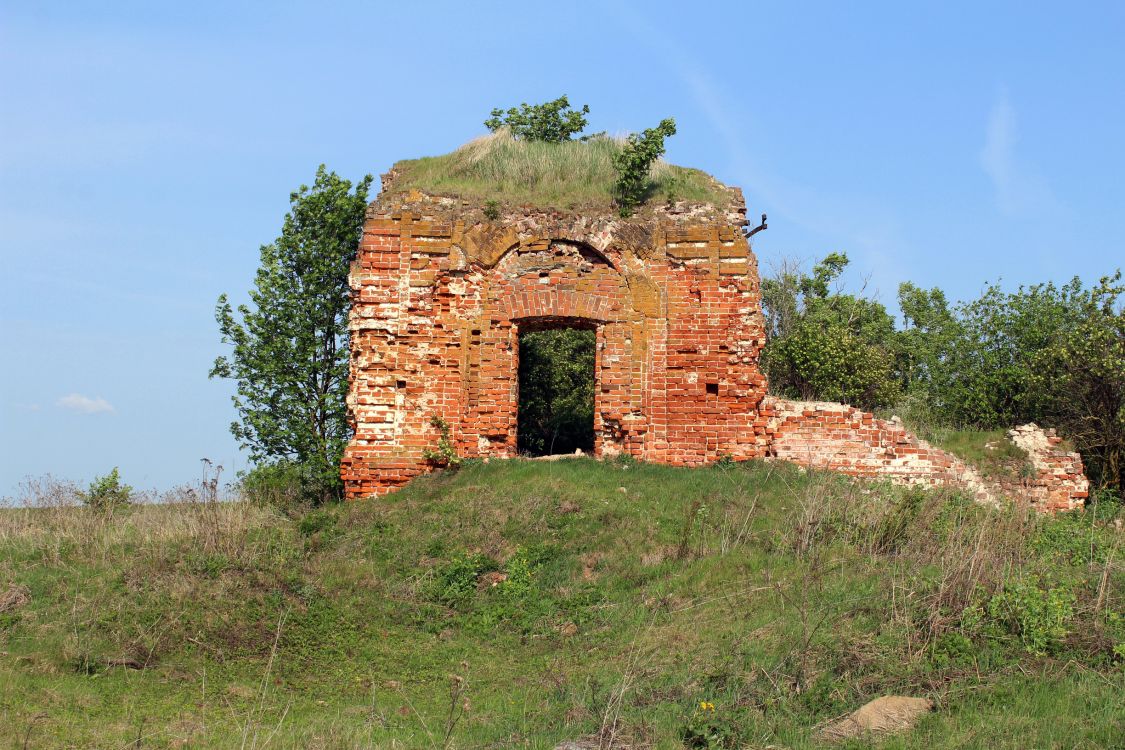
(441, 293)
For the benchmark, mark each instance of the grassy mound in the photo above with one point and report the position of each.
(523, 603)
(571, 175)
(989, 451)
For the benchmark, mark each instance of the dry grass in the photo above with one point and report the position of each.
(570, 175)
(50, 518)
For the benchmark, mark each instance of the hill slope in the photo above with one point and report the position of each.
(523, 603)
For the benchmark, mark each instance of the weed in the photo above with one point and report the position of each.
(444, 454)
(107, 493)
(709, 729)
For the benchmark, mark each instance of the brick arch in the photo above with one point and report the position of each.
(527, 304)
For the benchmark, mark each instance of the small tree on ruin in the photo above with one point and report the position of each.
(551, 122)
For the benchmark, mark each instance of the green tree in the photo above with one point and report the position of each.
(1044, 353)
(634, 162)
(986, 376)
(290, 346)
(928, 331)
(824, 344)
(1079, 377)
(556, 380)
(552, 122)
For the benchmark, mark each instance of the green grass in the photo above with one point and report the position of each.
(574, 175)
(785, 598)
(989, 451)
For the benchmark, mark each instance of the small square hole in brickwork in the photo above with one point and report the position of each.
(713, 389)
(556, 391)
(400, 384)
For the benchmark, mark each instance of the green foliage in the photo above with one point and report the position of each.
(929, 329)
(556, 381)
(709, 729)
(285, 485)
(456, 582)
(1079, 376)
(634, 164)
(1038, 616)
(444, 454)
(1045, 353)
(824, 344)
(290, 345)
(551, 122)
(107, 493)
(491, 210)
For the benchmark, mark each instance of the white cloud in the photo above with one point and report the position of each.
(1020, 190)
(84, 404)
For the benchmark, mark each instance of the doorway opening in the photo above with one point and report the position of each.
(556, 389)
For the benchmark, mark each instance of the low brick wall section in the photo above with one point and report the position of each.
(841, 438)
(1059, 481)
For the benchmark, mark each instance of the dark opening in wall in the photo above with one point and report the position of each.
(556, 391)
(713, 389)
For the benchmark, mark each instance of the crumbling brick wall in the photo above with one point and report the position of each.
(1057, 480)
(441, 294)
(841, 438)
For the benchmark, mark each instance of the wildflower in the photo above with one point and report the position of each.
(706, 706)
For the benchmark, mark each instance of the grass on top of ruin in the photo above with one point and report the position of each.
(525, 603)
(572, 175)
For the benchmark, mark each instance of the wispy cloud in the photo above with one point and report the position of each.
(1019, 188)
(861, 223)
(27, 407)
(84, 404)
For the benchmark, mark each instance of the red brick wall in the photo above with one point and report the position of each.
(441, 294)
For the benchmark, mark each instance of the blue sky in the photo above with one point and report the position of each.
(148, 149)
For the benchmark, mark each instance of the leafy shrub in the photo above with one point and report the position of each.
(287, 485)
(634, 162)
(1070, 538)
(823, 344)
(316, 521)
(107, 493)
(552, 122)
(1038, 616)
(456, 581)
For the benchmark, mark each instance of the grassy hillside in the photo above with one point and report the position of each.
(574, 175)
(522, 603)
